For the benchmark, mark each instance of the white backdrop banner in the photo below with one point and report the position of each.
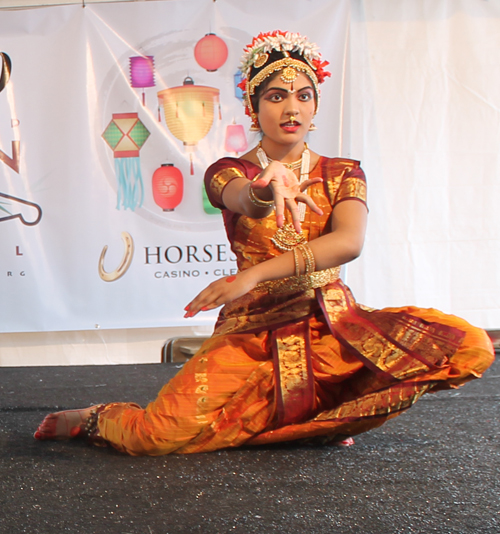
(109, 115)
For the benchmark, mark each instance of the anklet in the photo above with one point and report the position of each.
(90, 431)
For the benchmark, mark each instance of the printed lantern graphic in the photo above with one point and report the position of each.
(207, 205)
(189, 112)
(142, 73)
(236, 140)
(125, 135)
(210, 52)
(168, 186)
(238, 91)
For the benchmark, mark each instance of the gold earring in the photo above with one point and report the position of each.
(255, 127)
(312, 127)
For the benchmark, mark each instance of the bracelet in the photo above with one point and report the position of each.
(256, 200)
(296, 261)
(308, 256)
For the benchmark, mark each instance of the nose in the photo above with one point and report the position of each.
(291, 110)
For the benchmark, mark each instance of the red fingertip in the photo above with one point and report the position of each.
(230, 279)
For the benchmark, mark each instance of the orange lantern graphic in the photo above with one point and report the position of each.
(189, 112)
(168, 186)
(236, 140)
(210, 52)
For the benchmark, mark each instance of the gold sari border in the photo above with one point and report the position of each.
(294, 284)
(352, 187)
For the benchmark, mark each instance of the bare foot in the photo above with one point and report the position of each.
(343, 442)
(63, 425)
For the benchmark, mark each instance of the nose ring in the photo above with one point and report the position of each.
(292, 119)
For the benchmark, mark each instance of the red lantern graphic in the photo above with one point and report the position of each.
(168, 186)
(210, 52)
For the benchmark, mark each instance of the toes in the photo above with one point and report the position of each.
(47, 428)
(348, 442)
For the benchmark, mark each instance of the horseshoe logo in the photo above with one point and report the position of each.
(124, 264)
(5, 69)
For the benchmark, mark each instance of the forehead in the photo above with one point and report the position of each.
(299, 83)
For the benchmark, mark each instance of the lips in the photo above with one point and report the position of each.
(290, 126)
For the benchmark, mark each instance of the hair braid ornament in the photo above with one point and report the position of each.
(298, 55)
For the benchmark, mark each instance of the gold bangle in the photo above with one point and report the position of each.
(308, 256)
(295, 253)
(256, 200)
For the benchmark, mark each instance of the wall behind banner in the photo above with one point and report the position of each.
(412, 95)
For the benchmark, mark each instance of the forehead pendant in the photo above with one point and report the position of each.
(288, 75)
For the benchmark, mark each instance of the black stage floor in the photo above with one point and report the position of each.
(434, 469)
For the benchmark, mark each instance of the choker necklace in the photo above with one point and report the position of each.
(264, 159)
(286, 238)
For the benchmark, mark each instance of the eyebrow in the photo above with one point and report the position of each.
(285, 90)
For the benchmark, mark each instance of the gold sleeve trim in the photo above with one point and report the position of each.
(352, 188)
(221, 179)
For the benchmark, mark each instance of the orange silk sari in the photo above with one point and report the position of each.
(298, 359)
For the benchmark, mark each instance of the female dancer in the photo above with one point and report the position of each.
(293, 356)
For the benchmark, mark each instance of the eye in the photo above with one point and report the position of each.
(274, 97)
(305, 97)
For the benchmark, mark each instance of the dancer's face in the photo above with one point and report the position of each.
(286, 110)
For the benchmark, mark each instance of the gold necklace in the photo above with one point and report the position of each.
(286, 238)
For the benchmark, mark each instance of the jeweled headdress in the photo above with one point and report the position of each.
(287, 52)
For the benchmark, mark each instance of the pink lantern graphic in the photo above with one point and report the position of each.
(236, 140)
(125, 135)
(189, 112)
(168, 186)
(142, 73)
(210, 52)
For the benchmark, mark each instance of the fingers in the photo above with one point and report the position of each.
(205, 301)
(305, 184)
(215, 295)
(294, 212)
(279, 204)
(303, 197)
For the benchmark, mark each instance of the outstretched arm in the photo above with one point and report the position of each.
(342, 245)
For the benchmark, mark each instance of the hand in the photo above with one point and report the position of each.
(221, 292)
(287, 191)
